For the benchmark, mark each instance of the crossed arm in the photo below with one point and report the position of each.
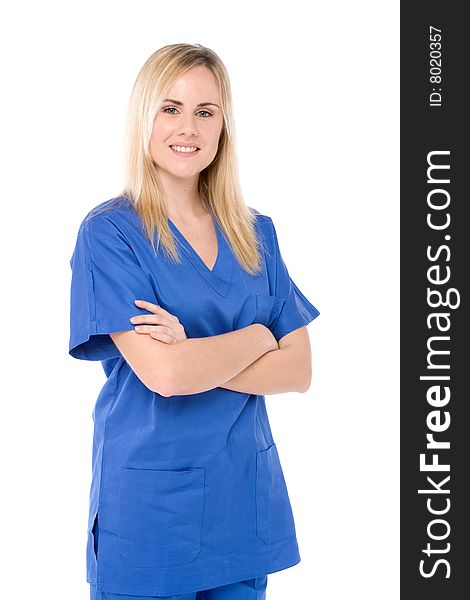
(286, 369)
(247, 360)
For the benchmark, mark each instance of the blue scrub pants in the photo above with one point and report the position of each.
(250, 589)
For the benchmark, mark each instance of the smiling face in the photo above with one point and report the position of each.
(190, 116)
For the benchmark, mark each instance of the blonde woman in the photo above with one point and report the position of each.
(180, 290)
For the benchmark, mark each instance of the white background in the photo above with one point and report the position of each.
(316, 93)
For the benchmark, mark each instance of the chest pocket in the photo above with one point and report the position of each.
(160, 516)
(268, 309)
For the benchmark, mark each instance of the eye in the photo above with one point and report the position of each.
(168, 108)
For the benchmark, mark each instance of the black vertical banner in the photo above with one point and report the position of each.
(434, 295)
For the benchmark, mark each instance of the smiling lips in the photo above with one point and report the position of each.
(185, 150)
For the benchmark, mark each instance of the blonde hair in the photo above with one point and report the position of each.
(218, 184)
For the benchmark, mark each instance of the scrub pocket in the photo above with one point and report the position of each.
(274, 519)
(268, 309)
(160, 516)
(95, 536)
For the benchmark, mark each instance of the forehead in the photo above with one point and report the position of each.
(197, 82)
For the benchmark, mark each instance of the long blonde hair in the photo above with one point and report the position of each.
(218, 184)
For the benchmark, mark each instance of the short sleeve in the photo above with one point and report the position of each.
(297, 309)
(106, 279)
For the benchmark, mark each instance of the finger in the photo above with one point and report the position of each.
(149, 319)
(162, 337)
(153, 328)
(144, 328)
(147, 305)
(159, 319)
(154, 308)
(152, 331)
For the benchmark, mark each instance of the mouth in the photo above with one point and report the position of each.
(185, 150)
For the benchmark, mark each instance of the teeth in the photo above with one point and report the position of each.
(184, 149)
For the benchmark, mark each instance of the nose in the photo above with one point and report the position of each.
(188, 125)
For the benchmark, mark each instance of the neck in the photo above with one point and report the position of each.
(182, 197)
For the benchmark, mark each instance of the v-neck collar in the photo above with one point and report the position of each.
(220, 277)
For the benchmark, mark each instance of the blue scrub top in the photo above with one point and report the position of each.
(189, 490)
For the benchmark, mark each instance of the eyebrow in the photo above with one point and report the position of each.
(200, 103)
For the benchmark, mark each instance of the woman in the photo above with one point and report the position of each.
(188, 498)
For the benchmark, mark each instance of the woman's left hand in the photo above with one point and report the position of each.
(161, 325)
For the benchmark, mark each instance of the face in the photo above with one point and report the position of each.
(190, 116)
